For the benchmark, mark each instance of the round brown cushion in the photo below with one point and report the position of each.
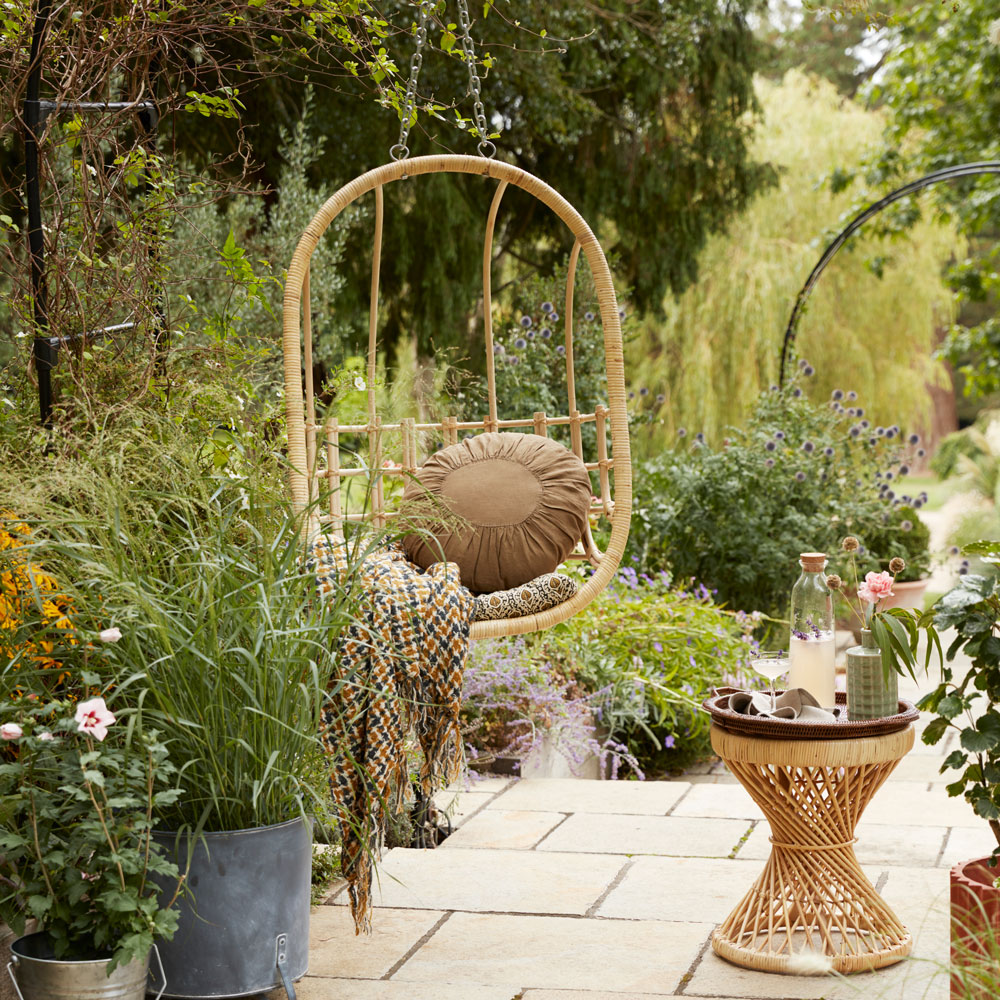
(525, 498)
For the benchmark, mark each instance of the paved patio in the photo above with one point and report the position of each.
(590, 890)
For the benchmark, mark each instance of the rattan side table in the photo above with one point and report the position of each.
(812, 895)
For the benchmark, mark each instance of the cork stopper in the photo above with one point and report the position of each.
(812, 562)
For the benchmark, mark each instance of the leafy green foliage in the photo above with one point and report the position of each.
(651, 652)
(969, 702)
(75, 847)
(938, 86)
(796, 479)
(720, 342)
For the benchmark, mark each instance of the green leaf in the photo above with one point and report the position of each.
(950, 706)
(955, 759)
(986, 808)
(977, 742)
(934, 731)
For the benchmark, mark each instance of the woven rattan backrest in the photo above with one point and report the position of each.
(314, 453)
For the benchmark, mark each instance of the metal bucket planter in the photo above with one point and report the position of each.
(38, 975)
(244, 921)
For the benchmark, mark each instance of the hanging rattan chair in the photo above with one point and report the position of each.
(317, 477)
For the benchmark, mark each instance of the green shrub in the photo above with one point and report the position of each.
(797, 478)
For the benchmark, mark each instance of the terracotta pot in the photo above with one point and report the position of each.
(907, 595)
(975, 930)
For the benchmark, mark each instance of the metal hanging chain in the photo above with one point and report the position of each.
(486, 148)
(401, 151)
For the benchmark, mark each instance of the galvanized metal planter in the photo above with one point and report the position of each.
(38, 975)
(244, 924)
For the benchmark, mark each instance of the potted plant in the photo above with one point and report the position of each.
(969, 702)
(78, 793)
(899, 534)
(224, 641)
(889, 637)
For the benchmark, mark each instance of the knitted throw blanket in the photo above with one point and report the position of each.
(399, 672)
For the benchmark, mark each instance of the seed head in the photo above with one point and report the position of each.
(834, 582)
(850, 544)
(897, 565)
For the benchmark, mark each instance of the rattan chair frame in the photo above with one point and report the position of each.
(314, 452)
(812, 895)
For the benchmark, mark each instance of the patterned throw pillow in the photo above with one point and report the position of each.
(540, 594)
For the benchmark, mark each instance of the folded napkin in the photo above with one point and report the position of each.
(796, 703)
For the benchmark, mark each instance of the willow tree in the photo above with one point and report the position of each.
(872, 321)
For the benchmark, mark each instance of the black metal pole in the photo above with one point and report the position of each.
(947, 174)
(43, 352)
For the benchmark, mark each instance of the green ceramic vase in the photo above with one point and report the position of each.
(868, 694)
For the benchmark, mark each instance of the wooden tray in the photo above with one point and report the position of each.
(718, 708)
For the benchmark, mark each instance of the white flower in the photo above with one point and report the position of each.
(810, 963)
(993, 32)
(46, 736)
(110, 635)
(360, 384)
(11, 731)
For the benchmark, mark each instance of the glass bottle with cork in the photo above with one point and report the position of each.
(812, 646)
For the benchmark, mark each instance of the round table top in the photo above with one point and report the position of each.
(813, 753)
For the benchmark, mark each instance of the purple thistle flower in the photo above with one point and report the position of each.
(852, 395)
(531, 335)
(553, 317)
(800, 476)
(589, 316)
(838, 394)
(660, 398)
(545, 333)
(808, 370)
(560, 348)
(914, 439)
(779, 435)
(769, 463)
(797, 393)
(644, 391)
(513, 359)
(526, 321)
(520, 343)
(828, 451)
(681, 432)
(770, 446)
(546, 307)
(808, 447)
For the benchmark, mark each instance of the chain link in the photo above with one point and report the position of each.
(401, 151)
(486, 148)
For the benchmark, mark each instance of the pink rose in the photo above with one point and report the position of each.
(875, 587)
(11, 731)
(93, 718)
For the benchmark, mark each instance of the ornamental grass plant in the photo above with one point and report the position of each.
(224, 645)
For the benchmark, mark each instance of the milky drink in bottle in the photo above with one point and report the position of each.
(812, 647)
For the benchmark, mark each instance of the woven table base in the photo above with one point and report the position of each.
(812, 895)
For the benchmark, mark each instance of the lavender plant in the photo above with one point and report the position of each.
(513, 701)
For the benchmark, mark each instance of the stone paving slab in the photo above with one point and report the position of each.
(964, 844)
(877, 844)
(590, 995)
(728, 801)
(487, 881)
(460, 805)
(573, 795)
(698, 889)
(505, 829)
(909, 803)
(626, 957)
(356, 989)
(670, 835)
(335, 950)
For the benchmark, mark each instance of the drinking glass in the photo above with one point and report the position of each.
(771, 664)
